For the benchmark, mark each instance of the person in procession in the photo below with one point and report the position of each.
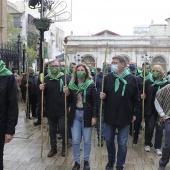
(122, 100)
(133, 68)
(82, 96)
(138, 121)
(55, 105)
(8, 108)
(152, 85)
(162, 105)
(32, 90)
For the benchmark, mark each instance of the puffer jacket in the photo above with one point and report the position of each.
(90, 107)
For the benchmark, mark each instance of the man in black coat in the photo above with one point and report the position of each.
(8, 108)
(55, 105)
(32, 90)
(122, 100)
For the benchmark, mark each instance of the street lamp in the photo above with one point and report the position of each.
(78, 58)
(19, 52)
(23, 61)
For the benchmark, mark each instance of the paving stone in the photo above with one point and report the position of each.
(24, 151)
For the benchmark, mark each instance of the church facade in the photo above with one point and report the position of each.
(155, 48)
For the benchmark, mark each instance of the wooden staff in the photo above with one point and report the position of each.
(27, 94)
(95, 86)
(101, 107)
(66, 120)
(42, 106)
(143, 107)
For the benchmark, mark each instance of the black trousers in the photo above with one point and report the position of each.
(33, 99)
(53, 123)
(2, 141)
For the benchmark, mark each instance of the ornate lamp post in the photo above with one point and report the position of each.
(19, 53)
(77, 58)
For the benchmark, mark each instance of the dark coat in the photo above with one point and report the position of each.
(32, 81)
(90, 107)
(8, 104)
(54, 98)
(119, 109)
(150, 92)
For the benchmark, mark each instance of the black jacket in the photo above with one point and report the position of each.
(54, 98)
(8, 104)
(90, 107)
(119, 109)
(150, 92)
(32, 81)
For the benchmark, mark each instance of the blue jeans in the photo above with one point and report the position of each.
(78, 130)
(122, 137)
(166, 148)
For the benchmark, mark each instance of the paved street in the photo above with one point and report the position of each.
(23, 153)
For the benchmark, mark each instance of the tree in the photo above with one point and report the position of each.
(12, 31)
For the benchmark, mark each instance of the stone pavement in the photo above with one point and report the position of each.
(23, 152)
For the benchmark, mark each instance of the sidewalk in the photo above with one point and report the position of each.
(23, 152)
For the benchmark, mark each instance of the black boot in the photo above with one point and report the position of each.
(86, 165)
(76, 166)
(37, 123)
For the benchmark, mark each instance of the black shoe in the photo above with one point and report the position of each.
(52, 152)
(86, 165)
(109, 165)
(120, 168)
(76, 166)
(135, 141)
(37, 123)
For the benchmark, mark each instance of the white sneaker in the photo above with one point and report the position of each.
(147, 148)
(158, 152)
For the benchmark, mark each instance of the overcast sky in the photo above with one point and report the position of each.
(119, 16)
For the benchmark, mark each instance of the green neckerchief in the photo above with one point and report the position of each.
(58, 78)
(69, 72)
(83, 87)
(137, 72)
(159, 83)
(4, 71)
(121, 78)
(146, 77)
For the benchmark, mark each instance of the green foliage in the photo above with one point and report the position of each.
(12, 31)
(31, 55)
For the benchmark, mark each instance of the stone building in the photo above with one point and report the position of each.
(91, 49)
(3, 21)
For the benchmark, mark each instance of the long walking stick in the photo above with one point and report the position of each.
(66, 120)
(95, 86)
(42, 107)
(143, 107)
(27, 95)
(101, 107)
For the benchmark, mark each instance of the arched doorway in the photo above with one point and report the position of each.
(89, 60)
(159, 60)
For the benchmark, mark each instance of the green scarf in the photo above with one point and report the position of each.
(159, 83)
(58, 78)
(83, 87)
(146, 77)
(121, 78)
(4, 71)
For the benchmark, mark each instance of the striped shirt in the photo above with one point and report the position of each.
(162, 101)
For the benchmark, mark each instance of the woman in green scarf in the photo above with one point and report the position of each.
(152, 85)
(82, 96)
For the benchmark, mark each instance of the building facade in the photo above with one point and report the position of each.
(91, 49)
(3, 21)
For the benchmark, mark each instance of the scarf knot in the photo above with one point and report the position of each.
(158, 83)
(121, 78)
(58, 77)
(3, 70)
(83, 87)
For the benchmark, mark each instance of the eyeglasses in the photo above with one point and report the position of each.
(53, 66)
